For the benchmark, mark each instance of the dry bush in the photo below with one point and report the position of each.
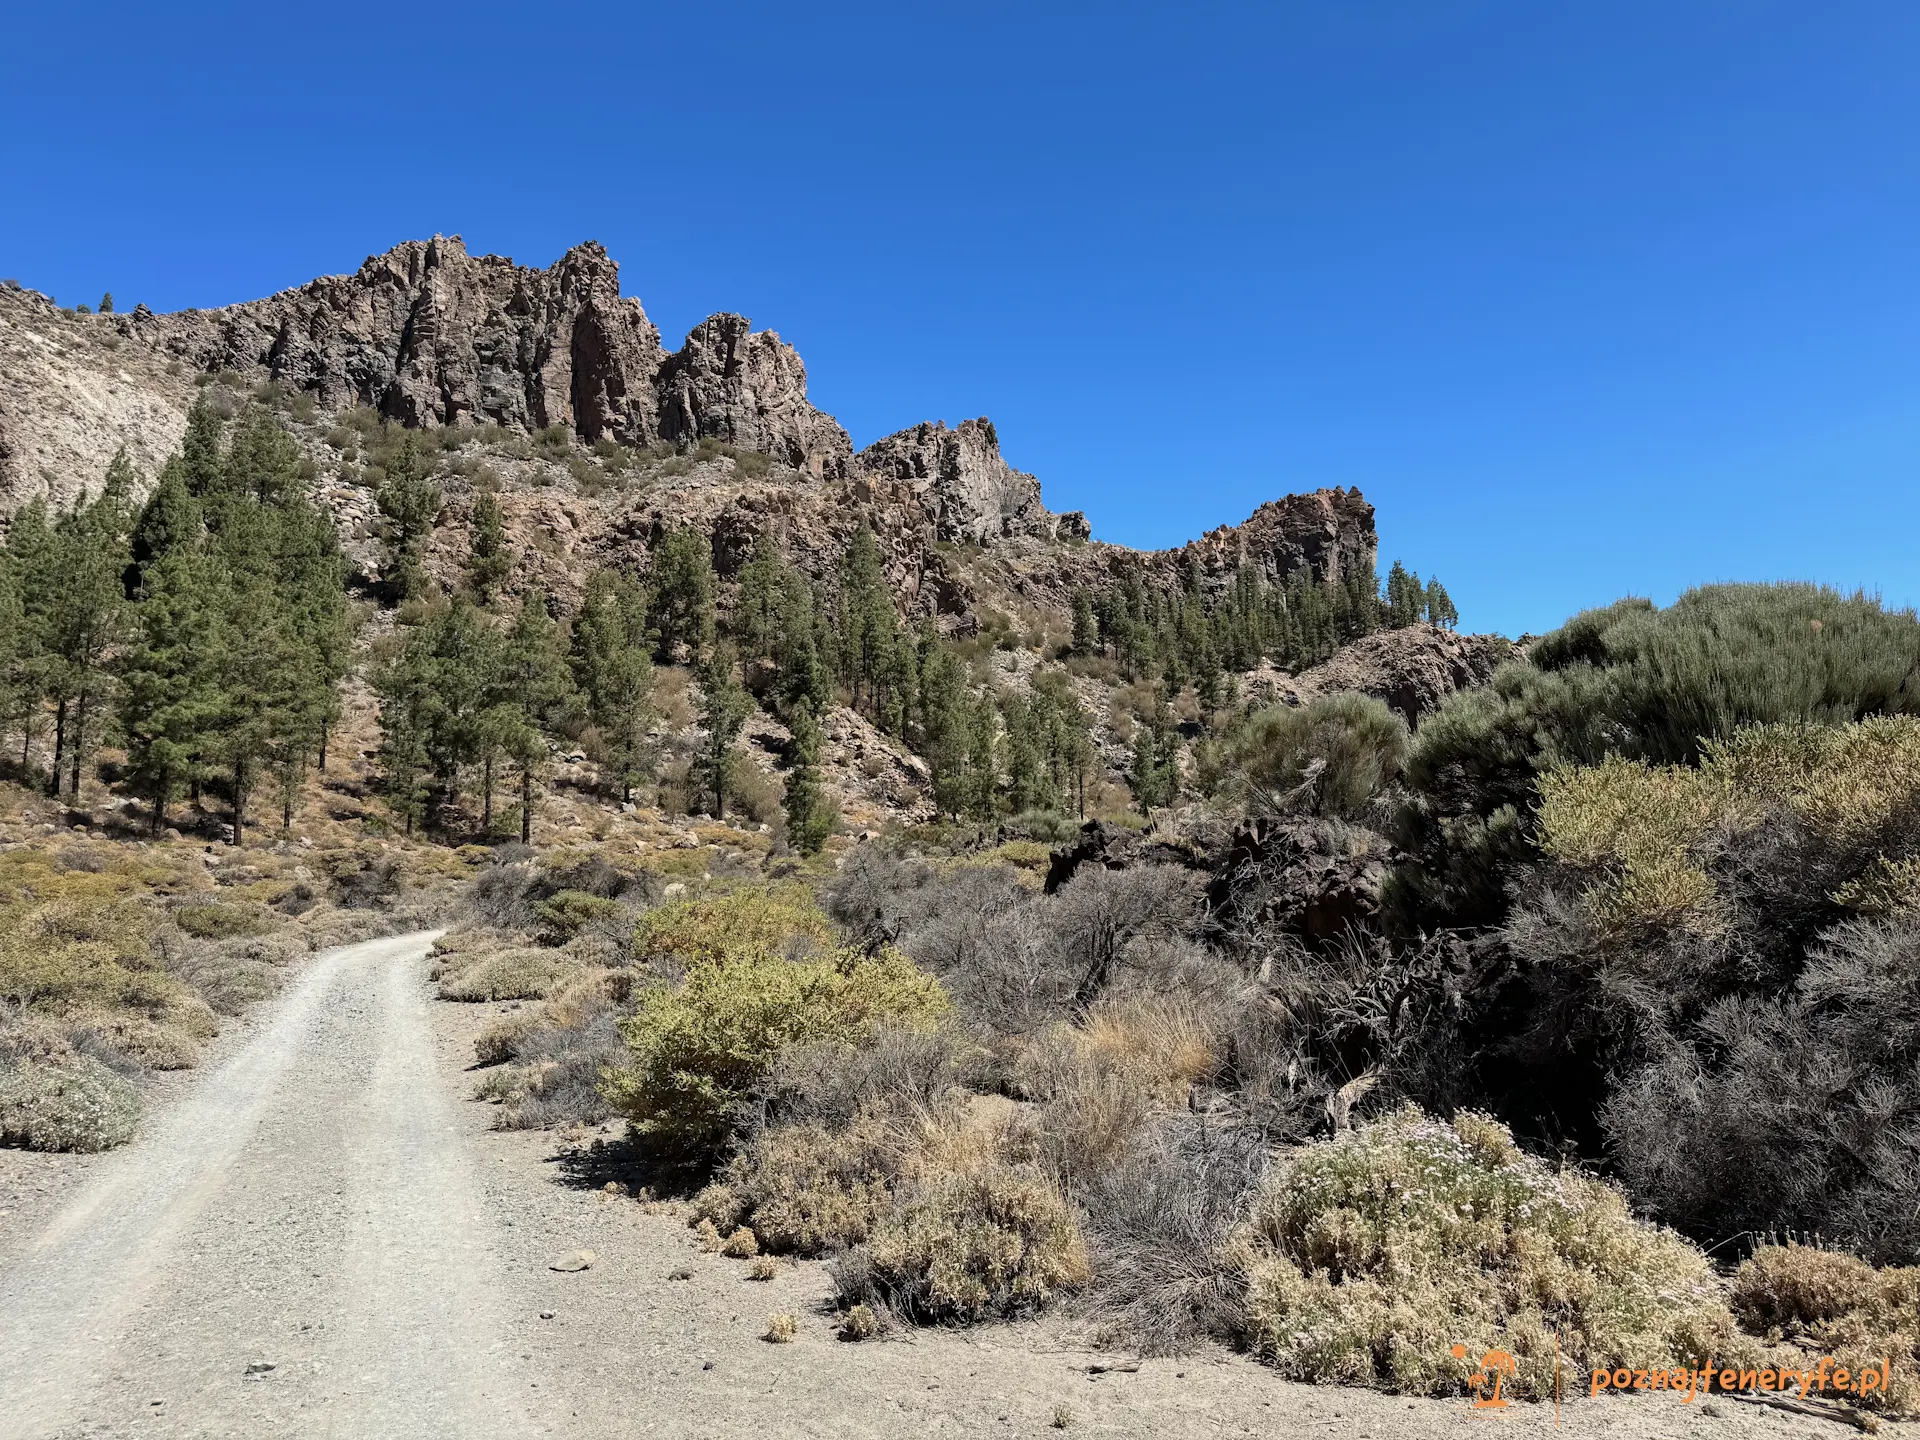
(861, 1322)
(781, 1329)
(558, 1054)
(220, 921)
(1368, 1257)
(141, 1041)
(742, 1244)
(809, 1189)
(501, 1041)
(991, 1239)
(78, 1104)
(1159, 1220)
(517, 974)
(1834, 1304)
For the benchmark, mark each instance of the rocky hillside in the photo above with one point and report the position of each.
(431, 337)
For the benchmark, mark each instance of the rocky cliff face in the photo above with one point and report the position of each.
(749, 390)
(432, 337)
(429, 335)
(960, 479)
(1327, 532)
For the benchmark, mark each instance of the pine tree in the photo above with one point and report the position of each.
(810, 818)
(1154, 775)
(1439, 606)
(106, 303)
(409, 498)
(404, 683)
(946, 726)
(263, 460)
(200, 450)
(536, 689)
(723, 710)
(1406, 598)
(1086, 636)
(168, 696)
(170, 519)
(33, 561)
(680, 609)
(869, 626)
(612, 670)
(85, 604)
(488, 563)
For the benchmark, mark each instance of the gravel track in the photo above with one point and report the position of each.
(298, 1247)
(322, 1237)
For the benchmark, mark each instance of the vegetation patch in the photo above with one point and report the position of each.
(1369, 1257)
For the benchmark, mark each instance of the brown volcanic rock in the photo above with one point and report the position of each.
(429, 335)
(1328, 532)
(960, 479)
(1412, 670)
(749, 390)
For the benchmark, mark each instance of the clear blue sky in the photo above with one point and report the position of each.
(1588, 298)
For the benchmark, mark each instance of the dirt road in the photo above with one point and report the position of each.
(321, 1236)
(298, 1247)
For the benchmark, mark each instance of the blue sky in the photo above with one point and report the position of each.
(1589, 299)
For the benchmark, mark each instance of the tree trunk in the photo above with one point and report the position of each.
(486, 802)
(326, 727)
(526, 803)
(239, 799)
(59, 743)
(79, 744)
(159, 810)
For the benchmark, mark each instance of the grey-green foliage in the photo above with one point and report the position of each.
(1638, 681)
(77, 1104)
(1329, 757)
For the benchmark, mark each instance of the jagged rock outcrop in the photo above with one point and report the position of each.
(750, 390)
(1413, 670)
(429, 335)
(1326, 532)
(960, 479)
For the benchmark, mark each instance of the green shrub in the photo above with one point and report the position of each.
(77, 1104)
(1336, 753)
(1370, 1256)
(1646, 684)
(699, 1047)
(566, 914)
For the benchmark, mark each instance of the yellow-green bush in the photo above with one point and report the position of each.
(1639, 829)
(566, 914)
(1834, 1304)
(1368, 1257)
(760, 919)
(699, 1046)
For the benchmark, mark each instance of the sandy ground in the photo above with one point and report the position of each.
(319, 1235)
